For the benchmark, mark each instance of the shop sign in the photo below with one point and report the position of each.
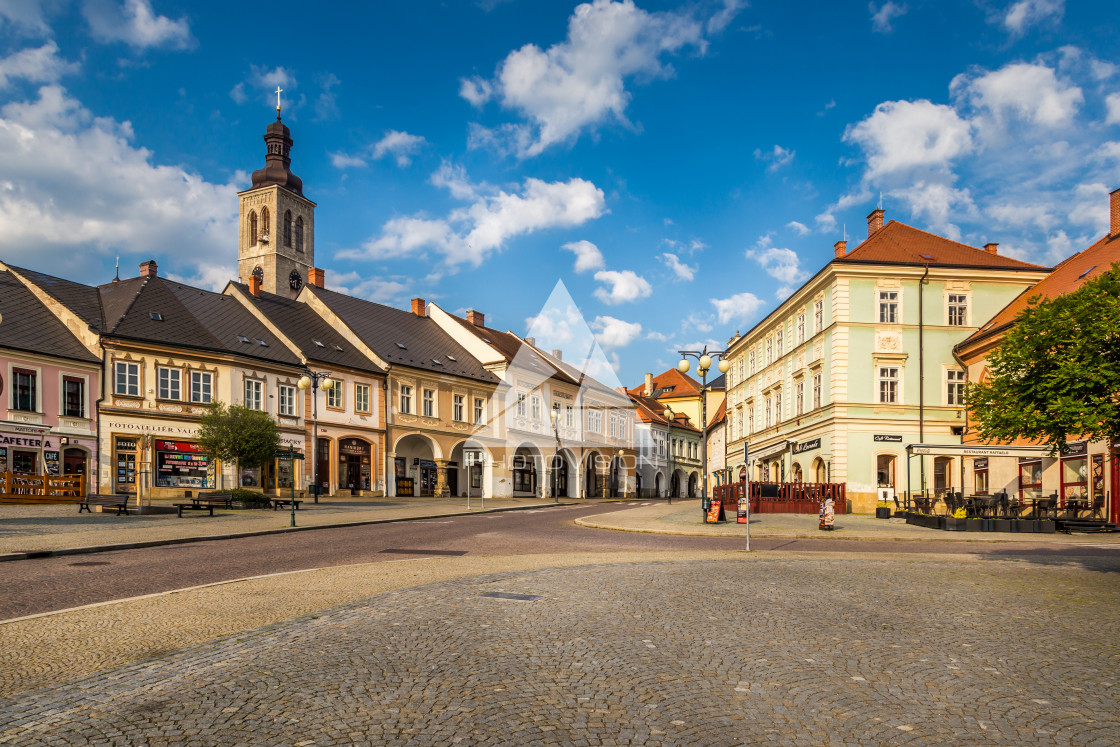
(881, 438)
(126, 444)
(286, 455)
(423, 462)
(173, 430)
(179, 446)
(809, 445)
(980, 463)
(354, 446)
(31, 442)
(1077, 448)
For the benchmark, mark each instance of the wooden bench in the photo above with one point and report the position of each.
(224, 500)
(194, 506)
(284, 503)
(119, 502)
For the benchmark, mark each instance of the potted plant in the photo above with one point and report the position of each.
(1046, 526)
(974, 525)
(955, 523)
(1001, 525)
(882, 510)
(249, 499)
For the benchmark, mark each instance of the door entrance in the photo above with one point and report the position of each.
(453, 479)
(1114, 508)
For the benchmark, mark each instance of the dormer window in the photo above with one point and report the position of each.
(243, 338)
(156, 316)
(319, 343)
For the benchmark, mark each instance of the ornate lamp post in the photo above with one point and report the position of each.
(554, 415)
(704, 359)
(315, 380)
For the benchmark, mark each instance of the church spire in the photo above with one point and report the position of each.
(277, 169)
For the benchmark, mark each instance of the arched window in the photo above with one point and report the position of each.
(299, 234)
(288, 229)
(252, 228)
(264, 222)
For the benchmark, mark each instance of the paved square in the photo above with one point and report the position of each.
(768, 651)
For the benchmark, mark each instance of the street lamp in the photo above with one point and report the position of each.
(554, 415)
(669, 416)
(315, 380)
(704, 359)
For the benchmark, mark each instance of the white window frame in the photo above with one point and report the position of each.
(818, 394)
(428, 402)
(132, 371)
(888, 379)
(890, 307)
(458, 407)
(954, 387)
(286, 400)
(780, 343)
(801, 328)
(169, 383)
(362, 401)
(778, 407)
(404, 399)
(254, 394)
(203, 382)
(751, 363)
(521, 408)
(594, 421)
(769, 350)
(570, 416)
(818, 316)
(479, 410)
(957, 309)
(800, 401)
(536, 407)
(336, 396)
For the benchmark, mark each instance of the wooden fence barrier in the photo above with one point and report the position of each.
(15, 488)
(784, 497)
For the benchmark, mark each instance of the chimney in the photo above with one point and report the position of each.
(148, 269)
(1114, 212)
(317, 277)
(841, 248)
(990, 247)
(874, 221)
(476, 318)
(647, 390)
(531, 340)
(255, 286)
(558, 354)
(418, 307)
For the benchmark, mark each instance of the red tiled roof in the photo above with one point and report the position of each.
(720, 416)
(1072, 273)
(683, 384)
(898, 243)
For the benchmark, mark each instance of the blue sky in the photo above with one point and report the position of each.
(680, 166)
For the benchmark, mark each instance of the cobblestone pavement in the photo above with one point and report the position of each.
(751, 650)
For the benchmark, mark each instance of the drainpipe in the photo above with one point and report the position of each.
(922, 373)
(97, 461)
(964, 368)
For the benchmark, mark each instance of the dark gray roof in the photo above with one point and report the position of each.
(719, 382)
(27, 324)
(305, 328)
(383, 327)
(81, 299)
(586, 382)
(189, 317)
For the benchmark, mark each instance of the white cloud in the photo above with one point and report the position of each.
(345, 161)
(1031, 93)
(588, 256)
(136, 24)
(214, 277)
(902, 135)
(264, 82)
(580, 82)
(400, 144)
(776, 158)
(737, 308)
(77, 191)
(326, 106)
(36, 65)
(615, 333)
(1025, 13)
(26, 17)
(624, 286)
(680, 269)
(1112, 101)
(781, 264)
(799, 228)
(725, 15)
(374, 288)
(468, 235)
(938, 203)
(881, 17)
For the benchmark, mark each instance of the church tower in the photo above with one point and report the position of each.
(276, 236)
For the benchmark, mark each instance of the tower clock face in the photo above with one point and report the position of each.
(258, 273)
(295, 282)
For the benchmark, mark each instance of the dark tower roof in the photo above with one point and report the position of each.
(277, 169)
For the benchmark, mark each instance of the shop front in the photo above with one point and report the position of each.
(182, 465)
(279, 474)
(28, 450)
(355, 465)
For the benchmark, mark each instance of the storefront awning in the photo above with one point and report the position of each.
(768, 451)
(979, 450)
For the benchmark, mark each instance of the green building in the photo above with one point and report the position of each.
(858, 363)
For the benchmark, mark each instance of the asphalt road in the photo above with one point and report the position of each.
(46, 584)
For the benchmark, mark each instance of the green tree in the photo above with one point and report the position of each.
(237, 434)
(1056, 373)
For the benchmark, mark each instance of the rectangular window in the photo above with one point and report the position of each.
(769, 350)
(767, 412)
(816, 391)
(479, 410)
(570, 416)
(888, 384)
(888, 307)
(406, 400)
(958, 310)
(954, 387)
(818, 316)
(777, 407)
(73, 397)
(521, 409)
(457, 408)
(169, 383)
(335, 398)
(24, 389)
(361, 398)
(202, 387)
(595, 421)
(126, 379)
(800, 328)
(780, 345)
(752, 363)
(800, 397)
(750, 419)
(429, 403)
(286, 400)
(536, 408)
(254, 394)
(980, 475)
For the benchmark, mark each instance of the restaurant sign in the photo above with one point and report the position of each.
(1077, 448)
(813, 443)
(882, 438)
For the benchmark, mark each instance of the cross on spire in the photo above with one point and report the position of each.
(278, 92)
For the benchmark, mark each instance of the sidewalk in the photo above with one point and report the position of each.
(685, 517)
(59, 528)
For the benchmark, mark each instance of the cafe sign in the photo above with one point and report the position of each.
(888, 439)
(809, 445)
